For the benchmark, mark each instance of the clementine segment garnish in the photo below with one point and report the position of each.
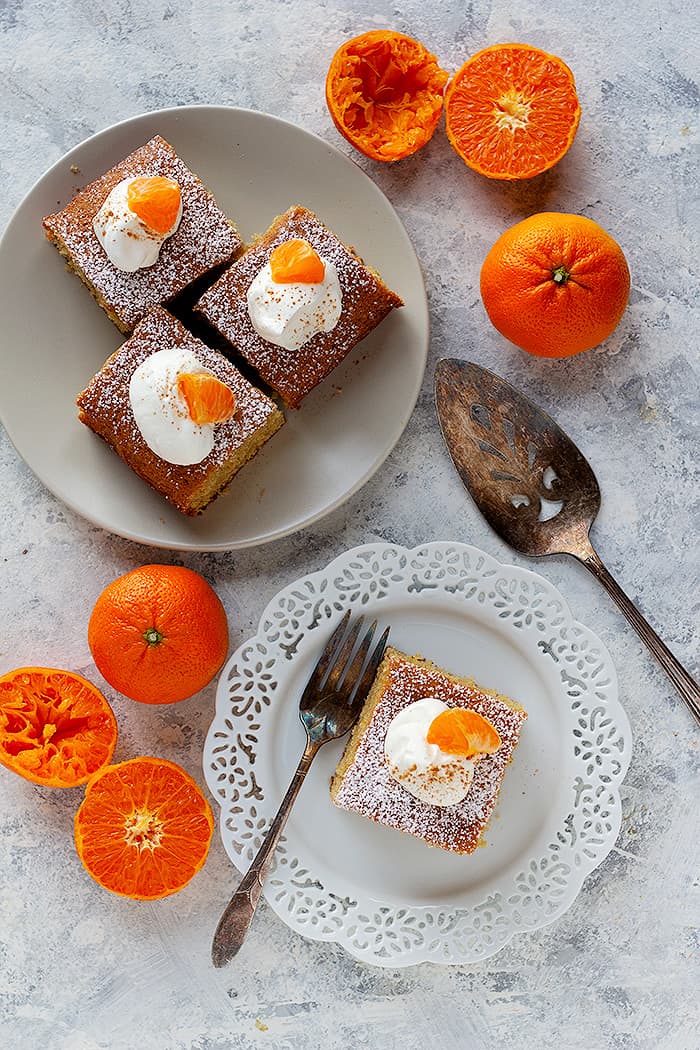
(208, 399)
(156, 201)
(143, 829)
(158, 634)
(56, 728)
(459, 731)
(296, 261)
(511, 111)
(555, 284)
(384, 93)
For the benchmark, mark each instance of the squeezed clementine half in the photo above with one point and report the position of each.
(143, 829)
(56, 728)
(158, 634)
(208, 400)
(459, 731)
(555, 284)
(512, 111)
(384, 93)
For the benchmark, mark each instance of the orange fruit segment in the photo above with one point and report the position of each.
(296, 261)
(56, 728)
(459, 731)
(555, 284)
(158, 634)
(384, 93)
(156, 201)
(143, 829)
(512, 111)
(208, 399)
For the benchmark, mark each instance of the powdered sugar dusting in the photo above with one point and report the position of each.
(293, 373)
(106, 404)
(204, 239)
(368, 788)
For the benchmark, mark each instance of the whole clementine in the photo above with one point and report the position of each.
(555, 284)
(158, 634)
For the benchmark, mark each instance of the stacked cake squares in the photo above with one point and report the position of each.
(151, 208)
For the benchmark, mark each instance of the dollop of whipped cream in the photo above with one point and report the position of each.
(129, 243)
(161, 412)
(423, 769)
(289, 314)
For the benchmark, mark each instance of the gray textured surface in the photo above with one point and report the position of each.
(81, 970)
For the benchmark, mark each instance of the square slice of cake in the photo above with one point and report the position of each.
(203, 238)
(350, 308)
(136, 403)
(363, 781)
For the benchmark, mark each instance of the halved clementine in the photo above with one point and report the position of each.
(460, 731)
(296, 260)
(143, 829)
(384, 93)
(208, 399)
(56, 728)
(156, 201)
(512, 111)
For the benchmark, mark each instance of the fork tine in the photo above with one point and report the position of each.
(351, 674)
(319, 671)
(338, 667)
(359, 694)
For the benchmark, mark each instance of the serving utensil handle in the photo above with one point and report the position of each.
(686, 686)
(238, 915)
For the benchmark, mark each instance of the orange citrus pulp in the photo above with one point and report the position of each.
(208, 399)
(511, 111)
(384, 93)
(459, 731)
(56, 728)
(296, 261)
(156, 201)
(143, 829)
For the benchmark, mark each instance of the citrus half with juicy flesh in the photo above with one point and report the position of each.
(511, 111)
(143, 829)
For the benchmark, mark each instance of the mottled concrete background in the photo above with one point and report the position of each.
(82, 970)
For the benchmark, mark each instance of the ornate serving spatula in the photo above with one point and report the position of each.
(532, 484)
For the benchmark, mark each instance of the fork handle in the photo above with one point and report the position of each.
(686, 686)
(235, 922)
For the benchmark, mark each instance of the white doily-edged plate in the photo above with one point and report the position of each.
(387, 898)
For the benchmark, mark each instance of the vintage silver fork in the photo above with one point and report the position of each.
(329, 707)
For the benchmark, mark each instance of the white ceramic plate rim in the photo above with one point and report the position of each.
(400, 413)
(537, 624)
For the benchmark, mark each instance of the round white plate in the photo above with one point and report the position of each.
(55, 337)
(386, 897)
